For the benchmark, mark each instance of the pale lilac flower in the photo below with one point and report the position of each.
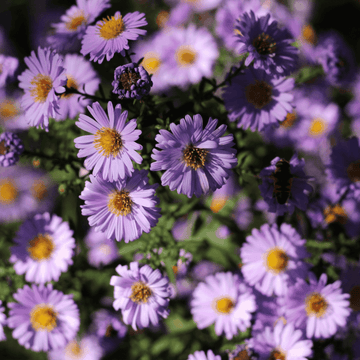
(8, 66)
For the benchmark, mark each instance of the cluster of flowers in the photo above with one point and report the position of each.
(274, 292)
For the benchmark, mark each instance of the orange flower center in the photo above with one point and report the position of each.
(41, 247)
(140, 292)
(8, 191)
(120, 203)
(111, 27)
(315, 305)
(224, 305)
(259, 94)
(194, 157)
(42, 84)
(43, 317)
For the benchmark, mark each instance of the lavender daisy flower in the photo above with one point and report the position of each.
(123, 209)
(201, 355)
(8, 66)
(242, 352)
(2, 322)
(255, 99)
(273, 259)
(283, 193)
(344, 167)
(282, 342)
(182, 228)
(44, 248)
(268, 46)
(11, 148)
(318, 308)
(72, 27)
(196, 160)
(205, 268)
(142, 294)
(131, 81)
(102, 251)
(112, 147)
(111, 35)
(44, 78)
(80, 76)
(225, 300)
(43, 319)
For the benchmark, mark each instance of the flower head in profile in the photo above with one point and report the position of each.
(141, 293)
(43, 319)
(44, 248)
(111, 147)
(122, 209)
(11, 148)
(255, 99)
(268, 46)
(44, 78)
(111, 35)
(225, 300)
(196, 160)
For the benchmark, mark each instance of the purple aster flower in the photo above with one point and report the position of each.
(196, 160)
(205, 268)
(182, 265)
(123, 209)
(255, 99)
(225, 300)
(71, 29)
(182, 228)
(2, 322)
(141, 293)
(44, 248)
(8, 66)
(282, 342)
(318, 308)
(85, 348)
(268, 46)
(44, 78)
(344, 167)
(102, 251)
(288, 189)
(80, 76)
(273, 259)
(112, 147)
(242, 213)
(242, 352)
(131, 81)
(11, 148)
(43, 319)
(197, 6)
(111, 35)
(201, 355)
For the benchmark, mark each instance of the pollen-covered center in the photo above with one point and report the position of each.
(194, 157)
(242, 355)
(258, 94)
(315, 305)
(39, 190)
(3, 148)
(128, 79)
(42, 84)
(76, 21)
(43, 317)
(185, 55)
(151, 62)
(108, 142)
(336, 213)
(217, 203)
(317, 127)
(41, 247)
(8, 191)
(111, 27)
(289, 120)
(71, 83)
(264, 44)
(8, 110)
(353, 171)
(355, 298)
(73, 350)
(308, 34)
(140, 292)
(277, 354)
(277, 260)
(224, 305)
(120, 203)
(105, 249)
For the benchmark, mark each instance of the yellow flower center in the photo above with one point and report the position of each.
(8, 110)
(73, 350)
(76, 21)
(317, 127)
(185, 55)
(315, 305)
(242, 355)
(105, 249)
(42, 84)
(335, 213)
(217, 203)
(120, 203)
(140, 292)
(71, 83)
(224, 305)
(194, 157)
(264, 44)
(162, 18)
(3, 148)
(308, 34)
(111, 27)
(277, 354)
(258, 94)
(43, 317)
(108, 142)
(151, 62)
(289, 120)
(38, 190)
(277, 260)
(41, 247)
(353, 171)
(8, 191)
(355, 298)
